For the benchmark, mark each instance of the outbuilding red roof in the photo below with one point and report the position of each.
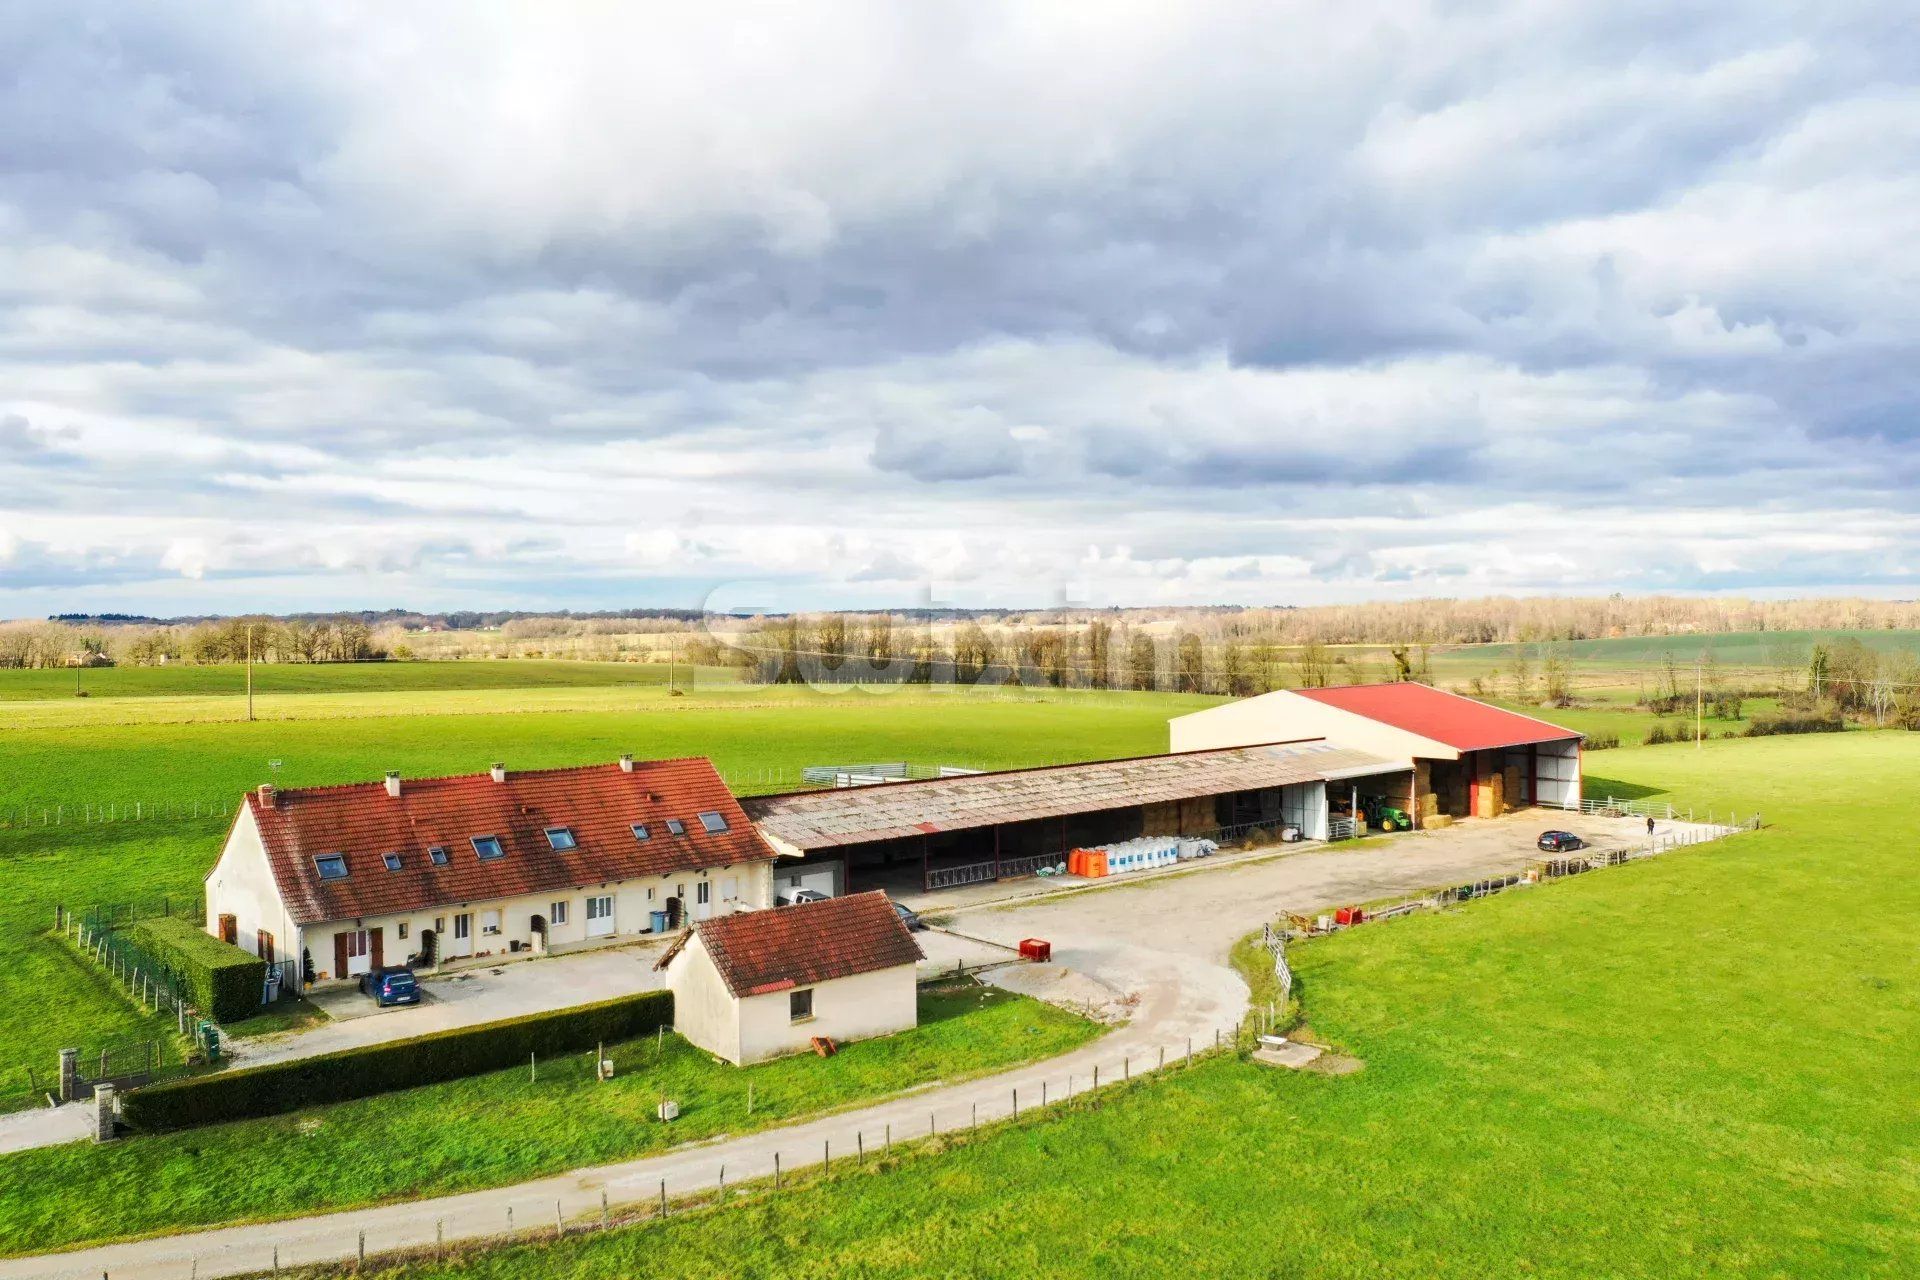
(1463, 723)
(598, 806)
(757, 952)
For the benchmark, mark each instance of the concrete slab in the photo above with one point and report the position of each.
(1288, 1053)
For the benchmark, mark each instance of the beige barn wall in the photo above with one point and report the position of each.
(1284, 716)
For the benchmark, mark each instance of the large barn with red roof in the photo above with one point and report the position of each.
(1465, 758)
(496, 863)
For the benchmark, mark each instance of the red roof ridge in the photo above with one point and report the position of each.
(512, 775)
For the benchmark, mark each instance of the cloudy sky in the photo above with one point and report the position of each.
(837, 304)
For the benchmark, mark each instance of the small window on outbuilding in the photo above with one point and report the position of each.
(676, 827)
(800, 1005)
(640, 831)
(715, 823)
(561, 838)
(438, 855)
(393, 861)
(488, 848)
(331, 866)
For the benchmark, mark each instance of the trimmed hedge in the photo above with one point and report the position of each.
(222, 981)
(398, 1064)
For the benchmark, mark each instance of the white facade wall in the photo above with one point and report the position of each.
(241, 885)
(704, 1011)
(745, 887)
(1284, 716)
(845, 1009)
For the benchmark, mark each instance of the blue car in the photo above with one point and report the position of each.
(394, 985)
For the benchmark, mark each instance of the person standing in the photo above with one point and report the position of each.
(1649, 826)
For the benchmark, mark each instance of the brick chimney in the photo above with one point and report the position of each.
(393, 783)
(499, 771)
(267, 794)
(626, 762)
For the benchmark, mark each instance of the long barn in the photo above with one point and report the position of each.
(941, 833)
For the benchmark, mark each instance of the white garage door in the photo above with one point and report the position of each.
(1559, 772)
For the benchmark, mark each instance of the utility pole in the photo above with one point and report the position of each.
(249, 671)
(1697, 700)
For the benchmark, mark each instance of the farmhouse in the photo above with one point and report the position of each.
(1469, 759)
(482, 864)
(939, 833)
(757, 986)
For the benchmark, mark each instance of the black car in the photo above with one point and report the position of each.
(909, 918)
(391, 984)
(1560, 842)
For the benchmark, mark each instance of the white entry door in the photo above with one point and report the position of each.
(462, 944)
(702, 900)
(359, 954)
(600, 916)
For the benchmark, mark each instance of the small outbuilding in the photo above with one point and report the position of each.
(766, 983)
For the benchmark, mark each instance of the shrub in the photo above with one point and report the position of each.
(1817, 720)
(1601, 741)
(222, 981)
(398, 1064)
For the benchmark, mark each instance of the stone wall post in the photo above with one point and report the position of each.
(103, 1113)
(69, 1074)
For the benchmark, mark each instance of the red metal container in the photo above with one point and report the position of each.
(1036, 949)
(1349, 915)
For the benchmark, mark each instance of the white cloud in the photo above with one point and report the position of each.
(609, 306)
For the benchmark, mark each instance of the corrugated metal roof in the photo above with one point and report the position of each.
(1465, 724)
(855, 815)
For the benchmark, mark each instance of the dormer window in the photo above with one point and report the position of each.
(393, 861)
(640, 831)
(676, 827)
(438, 856)
(331, 866)
(488, 848)
(715, 823)
(561, 838)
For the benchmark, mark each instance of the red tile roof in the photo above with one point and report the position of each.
(1462, 723)
(761, 951)
(597, 803)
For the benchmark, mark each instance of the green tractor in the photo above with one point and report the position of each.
(1383, 816)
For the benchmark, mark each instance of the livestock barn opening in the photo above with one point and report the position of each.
(921, 836)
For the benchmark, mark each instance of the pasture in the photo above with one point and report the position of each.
(1697, 1065)
(229, 679)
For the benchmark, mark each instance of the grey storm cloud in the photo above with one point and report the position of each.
(1203, 302)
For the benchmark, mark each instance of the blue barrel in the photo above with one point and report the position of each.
(659, 922)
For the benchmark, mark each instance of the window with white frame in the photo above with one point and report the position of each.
(556, 913)
(703, 893)
(800, 1005)
(561, 838)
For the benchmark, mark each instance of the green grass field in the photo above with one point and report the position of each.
(1700, 1065)
(1729, 648)
(497, 1128)
(229, 680)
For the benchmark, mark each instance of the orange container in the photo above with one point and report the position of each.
(1077, 862)
(1096, 862)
